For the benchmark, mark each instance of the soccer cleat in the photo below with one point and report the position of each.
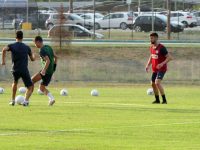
(51, 102)
(164, 102)
(25, 104)
(12, 103)
(156, 102)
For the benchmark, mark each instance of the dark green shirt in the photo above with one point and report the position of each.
(47, 51)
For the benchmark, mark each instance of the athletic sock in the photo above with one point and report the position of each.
(157, 98)
(50, 96)
(164, 98)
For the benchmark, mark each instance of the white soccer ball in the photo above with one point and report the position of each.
(64, 92)
(94, 92)
(19, 99)
(22, 90)
(150, 91)
(39, 92)
(1, 90)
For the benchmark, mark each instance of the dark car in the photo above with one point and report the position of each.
(144, 23)
(38, 21)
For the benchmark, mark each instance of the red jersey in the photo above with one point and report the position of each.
(158, 55)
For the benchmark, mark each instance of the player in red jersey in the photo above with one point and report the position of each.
(158, 60)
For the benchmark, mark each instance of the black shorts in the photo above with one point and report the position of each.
(25, 78)
(157, 75)
(46, 79)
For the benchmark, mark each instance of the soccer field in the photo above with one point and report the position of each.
(121, 118)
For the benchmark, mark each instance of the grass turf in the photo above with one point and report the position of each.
(121, 118)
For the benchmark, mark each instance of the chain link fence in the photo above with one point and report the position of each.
(104, 63)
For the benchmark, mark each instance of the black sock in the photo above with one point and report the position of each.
(164, 98)
(157, 98)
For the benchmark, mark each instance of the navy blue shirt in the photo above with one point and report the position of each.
(19, 54)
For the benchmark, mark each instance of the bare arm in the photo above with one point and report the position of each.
(32, 56)
(47, 62)
(4, 55)
(55, 58)
(148, 64)
(168, 59)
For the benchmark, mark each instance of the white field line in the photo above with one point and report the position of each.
(103, 104)
(79, 130)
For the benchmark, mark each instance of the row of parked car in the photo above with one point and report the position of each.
(131, 20)
(82, 23)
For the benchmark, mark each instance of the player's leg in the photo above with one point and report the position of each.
(36, 77)
(158, 81)
(29, 85)
(45, 82)
(155, 89)
(16, 77)
(14, 91)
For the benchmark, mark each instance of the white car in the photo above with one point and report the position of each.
(187, 18)
(90, 16)
(197, 15)
(118, 20)
(69, 18)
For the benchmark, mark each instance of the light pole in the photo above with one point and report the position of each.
(168, 19)
(71, 6)
(139, 4)
(152, 2)
(94, 7)
(27, 11)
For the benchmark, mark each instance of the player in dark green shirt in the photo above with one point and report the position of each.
(49, 62)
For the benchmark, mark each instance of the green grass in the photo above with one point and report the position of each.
(121, 118)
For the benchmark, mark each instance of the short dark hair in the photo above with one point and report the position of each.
(154, 34)
(19, 35)
(38, 39)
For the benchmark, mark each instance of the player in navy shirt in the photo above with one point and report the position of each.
(19, 53)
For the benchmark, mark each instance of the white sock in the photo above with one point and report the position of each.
(50, 96)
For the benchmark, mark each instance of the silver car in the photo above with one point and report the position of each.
(67, 18)
(71, 30)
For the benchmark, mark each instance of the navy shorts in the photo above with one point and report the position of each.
(46, 79)
(25, 78)
(157, 75)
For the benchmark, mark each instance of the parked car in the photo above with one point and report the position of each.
(71, 30)
(118, 20)
(197, 15)
(68, 18)
(7, 22)
(38, 21)
(144, 23)
(90, 17)
(187, 18)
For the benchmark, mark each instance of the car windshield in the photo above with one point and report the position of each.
(163, 18)
(76, 17)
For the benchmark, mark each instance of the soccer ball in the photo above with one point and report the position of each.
(40, 92)
(94, 92)
(22, 90)
(64, 92)
(1, 90)
(19, 99)
(150, 91)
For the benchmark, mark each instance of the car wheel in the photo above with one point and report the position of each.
(123, 26)
(49, 26)
(185, 23)
(138, 29)
(97, 26)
